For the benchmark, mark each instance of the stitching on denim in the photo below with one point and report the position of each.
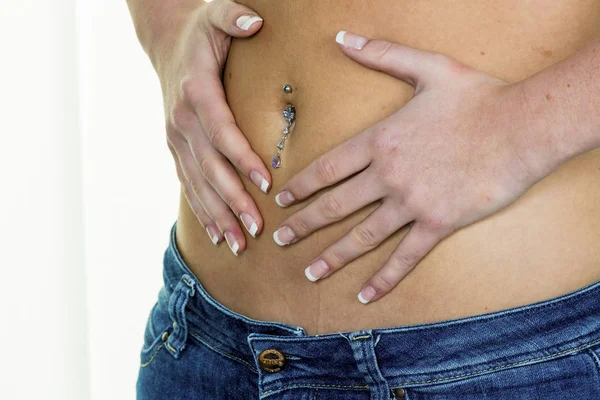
(171, 347)
(361, 337)
(204, 341)
(315, 385)
(316, 392)
(595, 357)
(151, 358)
(504, 366)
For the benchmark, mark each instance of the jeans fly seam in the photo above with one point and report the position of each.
(505, 365)
(205, 342)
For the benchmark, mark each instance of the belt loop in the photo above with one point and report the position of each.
(177, 303)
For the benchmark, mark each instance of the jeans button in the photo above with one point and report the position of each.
(399, 393)
(271, 360)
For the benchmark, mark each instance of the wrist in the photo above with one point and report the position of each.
(542, 135)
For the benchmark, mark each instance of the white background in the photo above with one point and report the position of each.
(89, 194)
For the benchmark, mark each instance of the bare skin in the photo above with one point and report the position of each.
(540, 246)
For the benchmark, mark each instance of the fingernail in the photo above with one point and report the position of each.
(212, 234)
(259, 181)
(365, 295)
(233, 244)
(316, 270)
(351, 40)
(283, 236)
(284, 199)
(245, 21)
(249, 223)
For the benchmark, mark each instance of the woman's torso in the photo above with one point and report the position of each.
(543, 245)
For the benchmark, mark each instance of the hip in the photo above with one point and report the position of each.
(195, 347)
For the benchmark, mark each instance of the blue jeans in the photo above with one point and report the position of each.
(196, 348)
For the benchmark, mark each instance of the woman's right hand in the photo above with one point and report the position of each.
(189, 56)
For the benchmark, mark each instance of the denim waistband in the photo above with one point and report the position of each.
(406, 355)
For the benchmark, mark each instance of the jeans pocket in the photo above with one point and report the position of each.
(156, 331)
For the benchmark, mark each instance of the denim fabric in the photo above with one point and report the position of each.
(195, 348)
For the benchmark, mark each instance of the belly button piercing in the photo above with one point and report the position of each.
(289, 113)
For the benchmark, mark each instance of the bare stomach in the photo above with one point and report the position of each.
(543, 245)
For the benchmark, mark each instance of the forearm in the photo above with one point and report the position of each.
(157, 21)
(563, 103)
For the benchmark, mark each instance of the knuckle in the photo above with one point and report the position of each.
(216, 132)
(207, 168)
(222, 217)
(194, 188)
(382, 283)
(382, 48)
(332, 208)
(201, 217)
(437, 223)
(325, 170)
(239, 203)
(219, 10)
(405, 260)
(182, 117)
(364, 236)
(190, 90)
(300, 226)
(300, 191)
(335, 259)
(386, 141)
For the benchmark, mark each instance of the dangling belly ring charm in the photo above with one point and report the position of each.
(289, 113)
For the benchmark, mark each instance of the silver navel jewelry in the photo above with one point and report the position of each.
(289, 113)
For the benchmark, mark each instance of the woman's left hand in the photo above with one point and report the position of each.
(451, 156)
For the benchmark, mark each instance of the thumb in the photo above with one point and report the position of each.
(418, 68)
(233, 18)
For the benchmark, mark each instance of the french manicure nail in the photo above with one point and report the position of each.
(316, 270)
(245, 21)
(351, 40)
(259, 181)
(367, 294)
(212, 234)
(233, 244)
(283, 236)
(249, 223)
(284, 199)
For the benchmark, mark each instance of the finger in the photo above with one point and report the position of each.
(219, 174)
(233, 18)
(329, 168)
(197, 208)
(330, 207)
(207, 97)
(413, 247)
(414, 66)
(364, 237)
(213, 204)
